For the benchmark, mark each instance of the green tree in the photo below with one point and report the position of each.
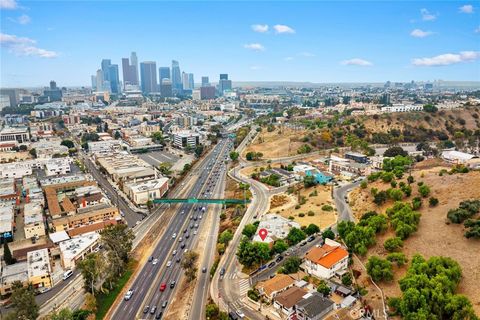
(309, 181)
(33, 152)
(393, 244)
(397, 257)
(23, 298)
(424, 190)
(199, 150)
(158, 137)
(295, 236)
(249, 230)
(433, 201)
(279, 246)
(91, 268)
(7, 254)
(234, 155)
(328, 234)
(430, 108)
(225, 237)
(189, 264)
(117, 240)
(395, 151)
(347, 279)
(323, 288)
(291, 265)
(63, 314)
(117, 135)
(380, 198)
(253, 253)
(379, 269)
(68, 143)
(312, 229)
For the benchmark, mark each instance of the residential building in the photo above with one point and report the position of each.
(33, 220)
(326, 261)
(75, 249)
(272, 287)
(286, 301)
(6, 223)
(142, 192)
(12, 273)
(39, 269)
(314, 307)
(8, 192)
(277, 226)
(184, 139)
(148, 76)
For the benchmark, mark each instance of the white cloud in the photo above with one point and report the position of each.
(24, 19)
(254, 47)
(262, 28)
(281, 28)
(288, 58)
(357, 62)
(8, 4)
(417, 33)
(427, 15)
(468, 8)
(447, 59)
(306, 54)
(477, 30)
(24, 46)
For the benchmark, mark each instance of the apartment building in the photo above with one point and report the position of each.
(184, 139)
(34, 225)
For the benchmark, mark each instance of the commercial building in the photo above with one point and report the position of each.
(13, 273)
(106, 146)
(207, 92)
(58, 166)
(39, 269)
(45, 149)
(277, 226)
(75, 249)
(6, 223)
(142, 192)
(33, 220)
(184, 139)
(166, 90)
(19, 134)
(176, 77)
(122, 168)
(224, 84)
(326, 261)
(163, 73)
(357, 157)
(148, 76)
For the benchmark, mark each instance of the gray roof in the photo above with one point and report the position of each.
(315, 304)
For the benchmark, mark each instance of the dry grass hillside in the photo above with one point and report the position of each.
(434, 236)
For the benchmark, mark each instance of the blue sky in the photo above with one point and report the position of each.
(252, 41)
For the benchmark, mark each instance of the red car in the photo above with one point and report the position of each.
(163, 286)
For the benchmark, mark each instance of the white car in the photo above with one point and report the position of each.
(155, 261)
(174, 236)
(128, 295)
(169, 263)
(240, 314)
(174, 252)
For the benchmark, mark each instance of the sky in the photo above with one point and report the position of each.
(314, 41)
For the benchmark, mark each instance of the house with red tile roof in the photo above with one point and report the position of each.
(326, 261)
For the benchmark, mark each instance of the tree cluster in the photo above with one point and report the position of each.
(403, 219)
(379, 269)
(428, 291)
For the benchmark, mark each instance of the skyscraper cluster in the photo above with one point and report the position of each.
(171, 81)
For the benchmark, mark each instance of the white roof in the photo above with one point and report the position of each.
(456, 155)
(59, 236)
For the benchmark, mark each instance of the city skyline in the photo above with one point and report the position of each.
(316, 42)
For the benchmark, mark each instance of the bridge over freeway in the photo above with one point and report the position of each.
(202, 201)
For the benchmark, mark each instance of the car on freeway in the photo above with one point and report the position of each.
(196, 225)
(204, 270)
(169, 263)
(180, 239)
(191, 226)
(271, 264)
(163, 286)
(174, 252)
(155, 261)
(164, 304)
(200, 217)
(128, 295)
(150, 259)
(172, 284)
(145, 310)
(222, 271)
(174, 236)
(187, 236)
(153, 309)
(184, 230)
(159, 315)
(182, 246)
(195, 232)
(178, 259)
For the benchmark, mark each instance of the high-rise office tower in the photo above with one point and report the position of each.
(53, 93)
(99, 86)
(94, 82)
(224, 84)
(191, 82)
(126, 71)
(134, 63)
(148, 76)
(205, 82)
(105, 65)
(176, 77)
(53, 85)
(164, 73)
(166, 88)
(114, 78)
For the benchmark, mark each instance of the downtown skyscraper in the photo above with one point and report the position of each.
(148, 76)
(176, 77)
(130, 71)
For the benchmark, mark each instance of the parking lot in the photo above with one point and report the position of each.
(157, 157)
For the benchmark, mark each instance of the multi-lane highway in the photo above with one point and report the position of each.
(186, 221)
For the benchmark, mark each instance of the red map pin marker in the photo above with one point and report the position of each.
(263, 233)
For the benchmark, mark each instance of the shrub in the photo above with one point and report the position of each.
(393, 244)
(379, 269)
(310, 213)
(424, 190)
(397, 257)
(433, 202)
(327, 207)
(347, 279)
(301, 215)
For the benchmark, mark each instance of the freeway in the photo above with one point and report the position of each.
(147, 283)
